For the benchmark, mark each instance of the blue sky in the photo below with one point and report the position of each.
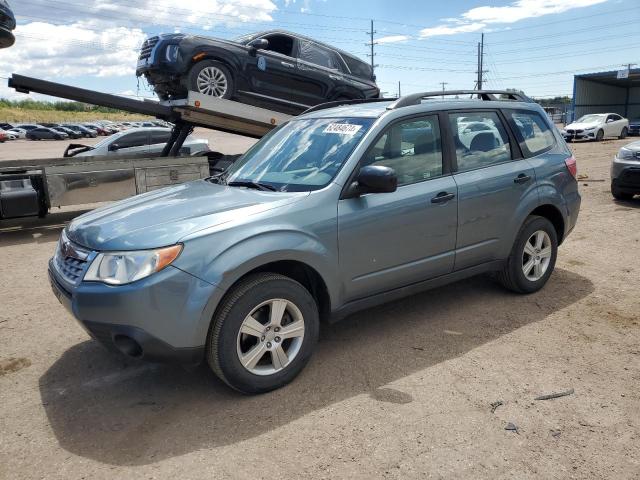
(532, 45)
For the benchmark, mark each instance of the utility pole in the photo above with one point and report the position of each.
(443, 89)
(399, 90)
(372, 43)
(481, 71)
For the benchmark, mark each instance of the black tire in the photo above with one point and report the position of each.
(599, 135)
(222, 353)
(624, 133)
(200, 66)
(512, 275)
(619, 194)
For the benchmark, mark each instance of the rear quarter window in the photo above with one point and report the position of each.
(532, 131)
(358, 67)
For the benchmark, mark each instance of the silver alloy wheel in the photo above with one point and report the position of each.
(536, 256)
(270, 337)
(212, 81)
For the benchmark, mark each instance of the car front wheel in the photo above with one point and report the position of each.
(263, 333)
(211, 78)
(532, 258)
(623, 133)
(599, 135)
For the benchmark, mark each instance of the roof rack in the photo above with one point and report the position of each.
(338, 103)
(486, 95)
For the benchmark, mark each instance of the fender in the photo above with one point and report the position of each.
(234, 262)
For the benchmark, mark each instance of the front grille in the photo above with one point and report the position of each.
(147, 47)
(70, 260)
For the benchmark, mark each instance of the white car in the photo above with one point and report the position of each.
(136, 141)
(597, 126)
(18, 132)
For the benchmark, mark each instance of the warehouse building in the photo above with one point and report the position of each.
(607, 92)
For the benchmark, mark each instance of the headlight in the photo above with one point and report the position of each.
(588, 129)
(120, 268)
(625, 154)
(171, 53)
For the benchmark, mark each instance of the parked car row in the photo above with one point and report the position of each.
(64, 131)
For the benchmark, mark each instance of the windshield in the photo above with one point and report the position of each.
(301, 156)
(591, 119)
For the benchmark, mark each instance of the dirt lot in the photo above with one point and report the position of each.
(220, 142)
(401, 391)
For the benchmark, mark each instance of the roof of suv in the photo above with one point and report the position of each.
(378, 109)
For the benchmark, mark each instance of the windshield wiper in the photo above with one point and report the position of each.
(255, 185)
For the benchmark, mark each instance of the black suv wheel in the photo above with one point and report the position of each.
(211, 78)
(263, 333)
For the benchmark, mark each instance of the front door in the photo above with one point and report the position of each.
(390, 240)
(273, 71)
(491, 182)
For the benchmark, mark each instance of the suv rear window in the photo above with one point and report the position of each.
(532, 132)
(358, 67)
(312, 53)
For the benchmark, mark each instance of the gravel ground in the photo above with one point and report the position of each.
(400, 391)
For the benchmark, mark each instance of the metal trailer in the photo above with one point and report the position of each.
(32, 187)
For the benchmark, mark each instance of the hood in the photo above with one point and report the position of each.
(635, 146)
(583, 126)
(164, 217)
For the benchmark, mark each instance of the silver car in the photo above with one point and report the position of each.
(339, 209)
(625, 172)
(137, 141)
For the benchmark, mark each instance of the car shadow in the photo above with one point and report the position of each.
(118, 412)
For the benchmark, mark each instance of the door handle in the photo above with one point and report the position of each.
(522, 178)
(443, 197)
(287, 64)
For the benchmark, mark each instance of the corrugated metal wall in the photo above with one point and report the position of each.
(595, 97)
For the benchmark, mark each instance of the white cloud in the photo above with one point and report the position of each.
(448, 30)
(523, 9)
(478, 18)
(54, 51)
(393, 39)
(158, 12)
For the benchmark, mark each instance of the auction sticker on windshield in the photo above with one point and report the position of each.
(342, 128)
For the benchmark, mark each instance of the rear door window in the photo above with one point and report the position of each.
(312, 53)
(136, 139)
(480, 138)
(532, 132)
(160, 137)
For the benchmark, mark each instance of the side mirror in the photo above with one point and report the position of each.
(374, 179)
(114, 147)
(258, 44)
(610, 120)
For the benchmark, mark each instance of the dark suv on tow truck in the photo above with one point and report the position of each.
(277, 70)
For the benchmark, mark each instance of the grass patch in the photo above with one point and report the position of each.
(21, 115)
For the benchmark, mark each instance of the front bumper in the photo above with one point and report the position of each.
(582, 135)
(625, 176)
(164, 317)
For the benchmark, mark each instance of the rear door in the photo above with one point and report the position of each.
(390, 240)
(320, 70)
(492, 179)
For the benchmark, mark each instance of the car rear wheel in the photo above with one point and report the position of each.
(263, 333)
(211, 78)
(532, 258)
(624, 133)
(599, 135)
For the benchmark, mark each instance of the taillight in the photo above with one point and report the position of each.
(572, 166)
